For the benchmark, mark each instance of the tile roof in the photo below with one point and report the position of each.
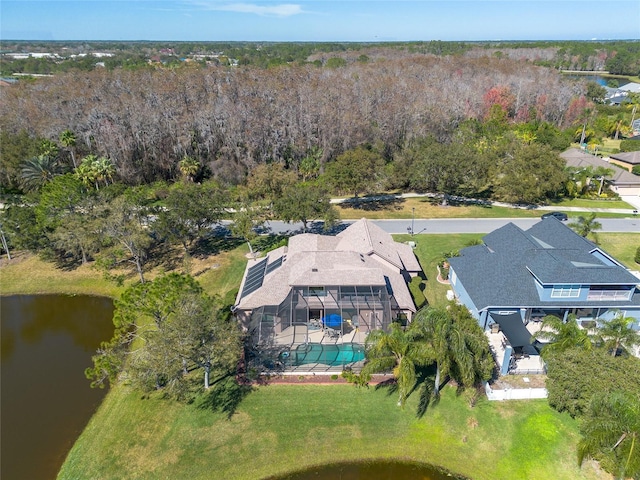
(362, 254)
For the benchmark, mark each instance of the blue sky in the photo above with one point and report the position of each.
(325, 20)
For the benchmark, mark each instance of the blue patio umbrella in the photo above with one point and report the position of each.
(332, 320)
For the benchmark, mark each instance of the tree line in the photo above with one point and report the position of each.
(617, 57)
(232, 120)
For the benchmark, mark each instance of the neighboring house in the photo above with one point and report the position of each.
(626, 160)
(615, 96)
(325, 293)
(516, 277)
(630, 87)
(621, 181)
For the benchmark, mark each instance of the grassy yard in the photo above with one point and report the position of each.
(424, 207)
(28, 274)
(429, 208)
(622, 246)
(280, 428)
(586, 203)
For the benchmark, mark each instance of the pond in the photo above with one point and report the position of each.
(47, 342)
(371, 470)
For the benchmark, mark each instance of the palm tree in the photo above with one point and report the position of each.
(617, 333)
(48, 148)
(68, 140)
(104, 170)
(611, 433)
(586, 225)
(86, 171)
(39, 170)
(189, 167)
(562, 335)
(397, 350)
(456, 344)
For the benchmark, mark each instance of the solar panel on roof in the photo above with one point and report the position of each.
(255, 276)
(273, 265)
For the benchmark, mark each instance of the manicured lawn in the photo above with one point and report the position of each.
(225, 273)
(27, 274)
(585, 203)
(622, 246)
(280, 428)
(429, 208)
(429, 250)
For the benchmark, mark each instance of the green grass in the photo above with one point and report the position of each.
(225, 275)
(429, 250)
(622, 246)
(27, 274)
(281, 428)
(587, 203)
(424, 207)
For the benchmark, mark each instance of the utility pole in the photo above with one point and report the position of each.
(413, 215)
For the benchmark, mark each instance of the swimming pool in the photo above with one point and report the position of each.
(332, 355)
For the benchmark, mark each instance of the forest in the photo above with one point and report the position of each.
(104, 151)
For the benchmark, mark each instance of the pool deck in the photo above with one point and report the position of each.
(299, 334)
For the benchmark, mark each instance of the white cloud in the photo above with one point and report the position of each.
(282, 10)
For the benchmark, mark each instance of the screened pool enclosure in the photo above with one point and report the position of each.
(319, 328)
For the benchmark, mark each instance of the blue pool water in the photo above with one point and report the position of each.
(333, 355)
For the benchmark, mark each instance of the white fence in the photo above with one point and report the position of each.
(514, 393)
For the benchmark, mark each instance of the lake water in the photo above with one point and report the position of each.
(371, 470)
(47, 342)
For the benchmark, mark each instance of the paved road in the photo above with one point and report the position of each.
(458, 225)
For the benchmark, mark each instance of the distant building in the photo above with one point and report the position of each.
(631, 87)
(622, 182)
(626, 160)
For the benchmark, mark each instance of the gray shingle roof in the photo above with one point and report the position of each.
(577, 158)
(629, 157)
(501, 272)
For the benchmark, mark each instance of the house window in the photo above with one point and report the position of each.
(565, 291)
(608, 292)
(317, 292)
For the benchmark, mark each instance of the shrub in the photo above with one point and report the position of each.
(629, 145)
(359, 380)
(575, 375)
(636, 170)
(637, 257)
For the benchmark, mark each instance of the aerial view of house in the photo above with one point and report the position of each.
(517, 277)
(310, 304)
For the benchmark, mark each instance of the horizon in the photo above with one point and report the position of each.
(313, 21)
